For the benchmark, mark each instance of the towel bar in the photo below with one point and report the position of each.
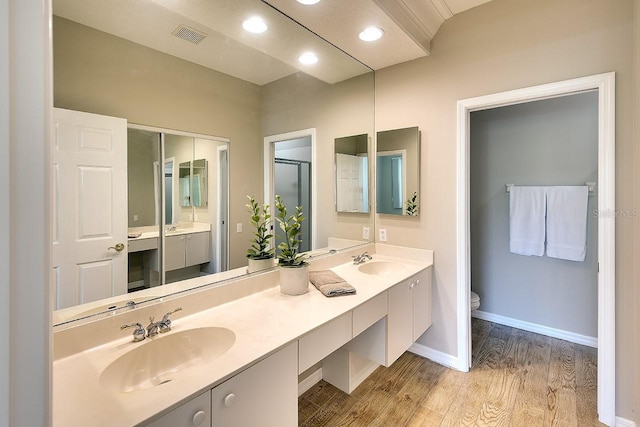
(590, 185)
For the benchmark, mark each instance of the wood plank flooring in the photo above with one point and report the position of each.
(518, 379)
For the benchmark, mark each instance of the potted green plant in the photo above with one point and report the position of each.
(294, 272)
(260, 254)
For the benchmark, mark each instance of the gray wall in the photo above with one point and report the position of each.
(551, 142)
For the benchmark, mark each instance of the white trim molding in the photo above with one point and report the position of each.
(604, 84)
(310, 381)
(434, 355)
(538, 329)
(623, 422)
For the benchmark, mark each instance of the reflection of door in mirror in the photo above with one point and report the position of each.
(168, 191)
(184, 177)
(90, 187)
(292, 181)
(352, 173)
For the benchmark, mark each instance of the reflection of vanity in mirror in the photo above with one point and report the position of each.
(352, 173)
(224, 102)
(398, 171)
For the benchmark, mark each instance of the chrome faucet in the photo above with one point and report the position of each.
(138, 333)
(171, 228)
(153, 329)
(361, 259)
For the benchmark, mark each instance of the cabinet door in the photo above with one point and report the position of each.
(196, 412)
(197, 248)
(174, 252)
(399, 321)
(421, 302)
(264, 395)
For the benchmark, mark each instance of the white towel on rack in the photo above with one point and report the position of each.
(567, 222)
(527, 206)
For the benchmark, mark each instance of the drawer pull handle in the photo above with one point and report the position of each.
(198, 418)
(229, 399)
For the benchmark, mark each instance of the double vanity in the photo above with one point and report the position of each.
(235, 352)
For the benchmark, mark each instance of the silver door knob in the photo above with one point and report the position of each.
(119, 247)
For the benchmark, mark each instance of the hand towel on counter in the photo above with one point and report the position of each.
(330, 284)
(567, 222)
(527, 206)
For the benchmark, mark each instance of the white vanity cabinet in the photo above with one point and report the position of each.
(409, 313)
(265, 394)
(196, 412)
(185, 250)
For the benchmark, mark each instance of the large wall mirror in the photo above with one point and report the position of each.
(398, 172)
(198, 109)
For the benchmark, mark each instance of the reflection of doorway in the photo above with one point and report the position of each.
(391, 177)
(289, 172)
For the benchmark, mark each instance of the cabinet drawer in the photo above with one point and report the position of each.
(369, 313)
(320, 343)
(196, 412)
(143, 244)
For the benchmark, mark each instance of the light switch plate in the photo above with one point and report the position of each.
(383, 234)
(239, 227)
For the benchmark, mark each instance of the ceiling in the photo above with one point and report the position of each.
(409, 26)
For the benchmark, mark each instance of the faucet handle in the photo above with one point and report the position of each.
(138, 333)
(165, 324)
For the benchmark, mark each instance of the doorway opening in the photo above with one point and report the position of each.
(604, 84)
(290, 173)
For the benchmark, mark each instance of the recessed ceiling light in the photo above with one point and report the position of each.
(308, 58)
(308, 2)
(255, 25)
(371, 34)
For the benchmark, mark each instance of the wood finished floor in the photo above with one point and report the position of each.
(518, 379)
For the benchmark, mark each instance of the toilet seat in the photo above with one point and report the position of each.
(475, 301)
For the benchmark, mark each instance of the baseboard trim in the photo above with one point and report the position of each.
(623, 422)
(309, 382)
(538, 329)
(434, 355)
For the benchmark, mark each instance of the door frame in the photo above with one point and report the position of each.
(605, 85)
(268, 167)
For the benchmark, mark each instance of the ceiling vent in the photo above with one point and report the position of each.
(189, 34)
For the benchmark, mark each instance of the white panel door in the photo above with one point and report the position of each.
(349, 194)
(90, 207)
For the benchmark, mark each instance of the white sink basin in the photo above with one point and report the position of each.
(381, 268)
(163, 358)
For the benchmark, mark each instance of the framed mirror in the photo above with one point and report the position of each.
(124, 60)
(352, 173)
(398, 172)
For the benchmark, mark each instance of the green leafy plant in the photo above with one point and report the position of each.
(261, 220)
(291, 227)
(412, 205)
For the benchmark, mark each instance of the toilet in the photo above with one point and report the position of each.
(475, 301)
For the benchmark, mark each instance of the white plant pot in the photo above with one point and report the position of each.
(260, 264)
(294, 280)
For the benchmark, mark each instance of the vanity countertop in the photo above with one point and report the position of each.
(181, 228)
(263, 323)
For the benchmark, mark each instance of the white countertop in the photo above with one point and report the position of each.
(263, 323)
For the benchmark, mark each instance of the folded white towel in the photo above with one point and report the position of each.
(527, 207)
(567, 222)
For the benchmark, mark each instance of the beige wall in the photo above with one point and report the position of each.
(103, 74)
(503, 45)
(300, 102)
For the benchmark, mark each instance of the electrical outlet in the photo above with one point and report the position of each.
(383, 234)
(239, 227)
(135, 218)
(190, 217)
(365, 233)
(195, 217)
